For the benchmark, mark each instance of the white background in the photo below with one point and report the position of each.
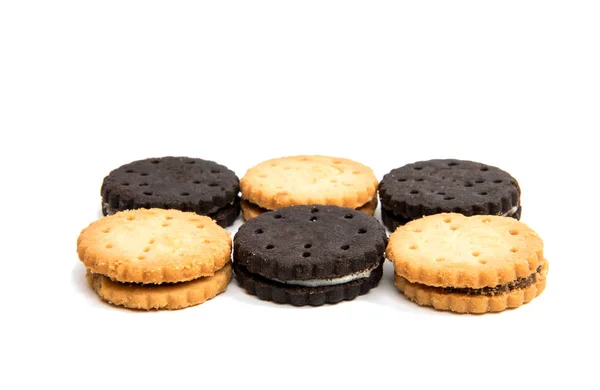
(86, 87)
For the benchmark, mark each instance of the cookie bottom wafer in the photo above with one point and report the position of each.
(471, 303)
(269, 290)
(169, 296)
(227, 215)
(251, 210)
(391, 221)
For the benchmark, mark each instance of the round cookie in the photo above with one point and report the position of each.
(468, 264)
(442, 186)
(182, 183)
(305, 180)
(154, 246)
(309, 255)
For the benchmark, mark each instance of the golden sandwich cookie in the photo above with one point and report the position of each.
(465, 264)
(156, 258)
(307, 180)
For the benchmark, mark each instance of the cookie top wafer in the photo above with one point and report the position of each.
(452, 250)
(298, 180)
(310, 242)
(436, 186)
(154, 246)
(182, 183)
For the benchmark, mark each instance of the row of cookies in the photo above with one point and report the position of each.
(312, 255)
(406, 193)
(325, 254)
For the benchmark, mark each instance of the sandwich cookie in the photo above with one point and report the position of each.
(306, 180)
(156, 259)
(444, 186)
(309, 255)
(181, 183)
(474, 264)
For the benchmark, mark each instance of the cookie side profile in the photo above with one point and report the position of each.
(250, 210)
(309, 254)
(468, 264)
(181, 183)
(227, 215)
(169, 296)
(494, 299)
(443, 186)
(305, 180)
(298, 295)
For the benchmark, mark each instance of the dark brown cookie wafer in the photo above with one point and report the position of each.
(269, 290)
(310, 254)
(309, 242)
(392, 221)
(441, 186)
(182, 183)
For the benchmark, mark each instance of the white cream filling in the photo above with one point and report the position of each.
(511, 212)
(330, 282)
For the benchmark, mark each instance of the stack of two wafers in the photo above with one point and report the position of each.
(155, 258)
(306, 180)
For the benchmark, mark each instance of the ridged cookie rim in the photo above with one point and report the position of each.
(253, 189)
(161, 297)
(94, 255)
(475, 275)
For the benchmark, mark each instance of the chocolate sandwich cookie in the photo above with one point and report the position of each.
(444, 186)
(305, 180)
(476, 264)
(309, 255)
(182, 183)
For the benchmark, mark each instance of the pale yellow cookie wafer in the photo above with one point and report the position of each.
(250, 210)
(301, 180)
(154, 246)
(164, 296)
(452, 250)
(471, 303)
